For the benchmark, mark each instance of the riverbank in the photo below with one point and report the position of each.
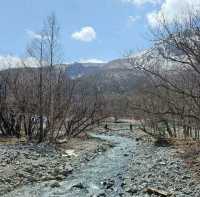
(159, 169)
(162, 171)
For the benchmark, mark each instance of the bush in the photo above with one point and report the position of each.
(162, 141)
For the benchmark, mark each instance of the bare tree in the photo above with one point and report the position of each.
(172, 67)
(51, 30)
(40, 101)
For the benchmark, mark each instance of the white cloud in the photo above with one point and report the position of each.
(86, 34)
(142, 2)
(133, 19)
(173, 9)
(92, 60)
(9, 61)
(33, 35)
(153, 18)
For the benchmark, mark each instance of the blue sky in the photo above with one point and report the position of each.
(111, 27)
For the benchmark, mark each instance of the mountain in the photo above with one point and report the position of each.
(77, 70)
(118, 64)
(114, 81)
(114, 77)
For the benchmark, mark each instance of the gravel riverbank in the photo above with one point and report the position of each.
(159, 169)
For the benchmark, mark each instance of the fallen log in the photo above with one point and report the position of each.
(157, 192)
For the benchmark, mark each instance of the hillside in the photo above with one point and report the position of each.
(116, 76)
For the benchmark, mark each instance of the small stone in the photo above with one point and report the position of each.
(79, 186)
(55, 184)
(23, 174)
(108, 183)
(67, 170)
(60, 178)
(35, 165)
(132, 190)
(47, 178)
(29, 169)
(186, 177)
(8, 180)
(162, 163)
(3, 164)
(101, 195)
(42, 165)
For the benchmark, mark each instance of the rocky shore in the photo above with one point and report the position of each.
(159, 169)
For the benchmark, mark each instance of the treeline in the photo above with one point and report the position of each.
(168, 103)
(39, 102)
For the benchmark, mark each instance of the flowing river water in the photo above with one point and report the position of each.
(102, 176)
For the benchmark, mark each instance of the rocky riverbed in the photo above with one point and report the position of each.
(28, 164)
(124, 166)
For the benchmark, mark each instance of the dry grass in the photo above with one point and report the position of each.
(189, 151)
(11, 140)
